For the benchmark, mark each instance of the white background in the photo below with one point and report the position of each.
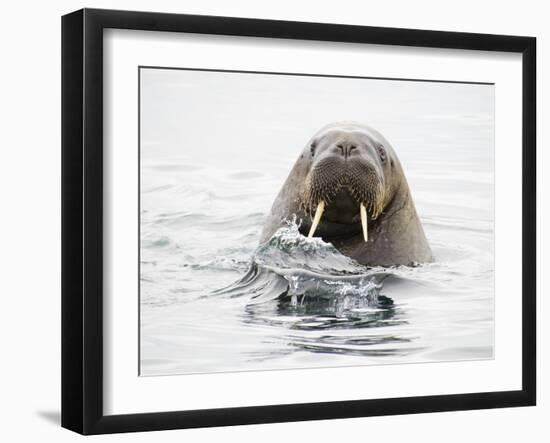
(30, 189)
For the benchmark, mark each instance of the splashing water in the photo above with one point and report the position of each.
(299, 269)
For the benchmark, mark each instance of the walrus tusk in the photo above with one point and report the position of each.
(363, 211)
(317, 218)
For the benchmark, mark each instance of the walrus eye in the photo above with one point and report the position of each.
(312, 148)
(382, 154)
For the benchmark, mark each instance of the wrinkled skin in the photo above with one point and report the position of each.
(346, 164)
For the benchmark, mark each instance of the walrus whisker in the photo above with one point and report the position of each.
(363, 212)
(317, 218)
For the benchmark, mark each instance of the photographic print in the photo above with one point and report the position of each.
(292, 220)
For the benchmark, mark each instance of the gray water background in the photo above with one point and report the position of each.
(215, 150)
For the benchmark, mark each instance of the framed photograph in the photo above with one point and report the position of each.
(268, 221)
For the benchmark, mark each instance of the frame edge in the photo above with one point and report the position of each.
(82, 230)
(72, 221)
(529, 220)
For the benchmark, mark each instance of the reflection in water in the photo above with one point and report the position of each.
(331, 317)
(323, 313)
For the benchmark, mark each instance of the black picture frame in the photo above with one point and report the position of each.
(82, 219)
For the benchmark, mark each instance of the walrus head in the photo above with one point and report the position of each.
(348, 187)
(349, 182)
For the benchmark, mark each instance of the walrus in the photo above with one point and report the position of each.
(348, 187)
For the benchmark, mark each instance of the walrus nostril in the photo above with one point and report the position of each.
(345, 149)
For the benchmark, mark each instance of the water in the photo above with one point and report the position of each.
(212, 299)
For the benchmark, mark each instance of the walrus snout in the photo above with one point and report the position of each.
(344, 189)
